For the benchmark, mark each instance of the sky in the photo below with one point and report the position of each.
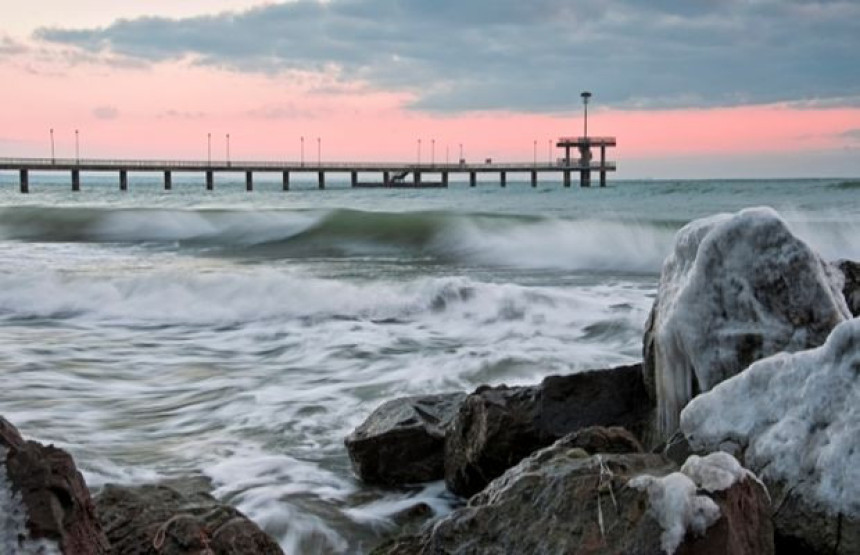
(691, 88)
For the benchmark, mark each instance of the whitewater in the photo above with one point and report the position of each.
(241, 336)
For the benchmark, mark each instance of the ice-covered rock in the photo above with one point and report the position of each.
(851, 284)
(561, 500)
(735, 289)
(45, 507)
(795, 420)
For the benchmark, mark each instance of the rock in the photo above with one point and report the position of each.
(735, 289)
(851, 288)
(597, 439)
(497, 427)
(403, 440)
(44, 501)
(173, 519)
(793, 418)
(560, 500)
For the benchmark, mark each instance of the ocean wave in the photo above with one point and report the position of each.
(487, 240)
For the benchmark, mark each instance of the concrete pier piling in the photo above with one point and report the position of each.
(321, 180)
(417, 176)
(249, 181)
(286, 181)
(473, 179)
(534, 178)
(24, 176)
(353, 179)
(445, 179)
(123, 180)
(567, 178)
(76, 180)
(210, 180)
(503, 179)
(168, 181)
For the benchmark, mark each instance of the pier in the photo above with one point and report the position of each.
(390, 174)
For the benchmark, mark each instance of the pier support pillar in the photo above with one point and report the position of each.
(321, 180)
(603, 165)
(534, 178)
(25, 181)
(249, 181)
(585, 178)
(123, 180)
(503, 177)
(210, 180)
(567, 178)
(76, 180)
(168, 181)
(286, 181)
(473, 179)
(386, 179)
(417, 175)
(354, 179)
(445, 179)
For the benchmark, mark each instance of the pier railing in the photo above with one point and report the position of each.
(96, 164)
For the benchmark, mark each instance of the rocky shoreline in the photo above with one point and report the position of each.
(738, 433)
(749, 324)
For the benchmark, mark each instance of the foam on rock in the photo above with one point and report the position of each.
(736, 289)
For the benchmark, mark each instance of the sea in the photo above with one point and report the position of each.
(238, 337)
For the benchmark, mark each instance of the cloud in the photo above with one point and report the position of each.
(454, 55)
(182, 114)
(10, 47)
(105, 112)
(853, 135)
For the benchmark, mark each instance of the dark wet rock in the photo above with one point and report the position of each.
(804, 525)
(735, 289)
(851, 289)
(599, 439)
(177, 519)
(47, 497)
(497, 427)
(677, 448)
(403, 440)
(561, 500)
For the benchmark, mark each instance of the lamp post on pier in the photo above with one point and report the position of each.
(419, 152)
(209, 149)
(77, 148)
(432, 152)
(53, 157)
(303, 151)
(535, 153)
(228, 150)
(319, 151)
(585, 96)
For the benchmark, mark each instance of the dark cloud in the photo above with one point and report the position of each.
(105, 112)
(510, 54)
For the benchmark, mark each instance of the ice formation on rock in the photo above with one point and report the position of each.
(13, 520)
(795, 417)
(675, 503)
(735, 289)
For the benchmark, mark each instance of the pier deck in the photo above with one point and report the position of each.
(393, 174)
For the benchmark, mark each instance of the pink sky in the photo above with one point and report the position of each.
(167, 109)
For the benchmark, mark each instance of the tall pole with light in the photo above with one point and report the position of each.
(228, 149)
(53, 157)
(585, 96)
(419, 152)
(432, 152)
(77, 147)
(209, 149)
(303, 151)
(319, 151)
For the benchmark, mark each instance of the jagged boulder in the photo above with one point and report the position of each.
(497, 427)
(561, 500)
(794, 419)
(44, 502)
(735, 289)
(851, 286)
(177, 518)
(403, 441)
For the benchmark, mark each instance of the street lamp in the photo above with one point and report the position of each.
(461, 152)
(303, 151)
(319, 151)
(535, 152)
(432, 152)
(585, 96)
(209, 149)
(53, 158)
(228, 150)
(77, 148)
(419, 152)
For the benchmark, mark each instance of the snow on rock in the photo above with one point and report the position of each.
(796, 419)
(735, 289)
(674, 499)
